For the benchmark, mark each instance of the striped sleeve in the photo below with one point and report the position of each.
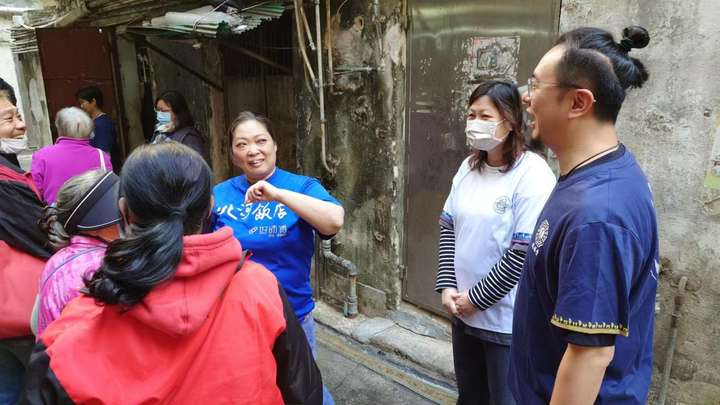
(446, 259)
(502, 278)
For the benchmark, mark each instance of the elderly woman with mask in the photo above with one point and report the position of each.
(71, 154)
(23, 250)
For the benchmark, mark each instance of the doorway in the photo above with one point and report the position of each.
(453, 46)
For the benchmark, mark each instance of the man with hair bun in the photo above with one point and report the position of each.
(584, 313)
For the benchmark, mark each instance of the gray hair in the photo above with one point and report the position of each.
(69, 196)
(74, 123)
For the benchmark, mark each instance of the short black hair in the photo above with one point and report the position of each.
(179, 107)
(246, 116)
(6, 90)
(89, 93)
(593, 60)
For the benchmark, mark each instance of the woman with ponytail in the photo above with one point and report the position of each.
(174, 316)
(80, 224)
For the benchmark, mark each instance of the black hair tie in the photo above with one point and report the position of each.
(626, 44)
(177, 213)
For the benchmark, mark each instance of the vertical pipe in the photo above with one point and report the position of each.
(679, 298)
(321, 88)
(329, 44)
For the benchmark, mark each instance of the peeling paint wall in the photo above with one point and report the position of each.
(365, 138)
(671, 124)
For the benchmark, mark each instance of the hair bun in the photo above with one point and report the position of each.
(634, 36)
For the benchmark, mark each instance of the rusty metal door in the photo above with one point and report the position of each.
(72, 58)
(453, 45)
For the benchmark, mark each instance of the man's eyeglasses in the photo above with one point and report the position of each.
(533, 84)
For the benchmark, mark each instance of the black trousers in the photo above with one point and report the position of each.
(481, 367)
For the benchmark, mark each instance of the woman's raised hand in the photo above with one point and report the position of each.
(262, 191)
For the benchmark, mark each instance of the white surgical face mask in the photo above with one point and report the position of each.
(13, 145)
(481, 134)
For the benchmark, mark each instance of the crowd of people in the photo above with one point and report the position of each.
(156, 286)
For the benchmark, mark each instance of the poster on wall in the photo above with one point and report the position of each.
(485, 58)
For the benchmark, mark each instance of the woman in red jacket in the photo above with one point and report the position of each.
(174, 316)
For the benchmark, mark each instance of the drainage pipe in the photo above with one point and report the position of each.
(301, 42)
(307, 29)
(348, 269)
(321, 88)
(679, 300)
(329, 44)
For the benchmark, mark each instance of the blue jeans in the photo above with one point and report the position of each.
(308, 325)
(482, 359)
(14, 355)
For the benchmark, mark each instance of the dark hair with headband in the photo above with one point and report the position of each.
(54, 217)
(167, 190)
(593, 60)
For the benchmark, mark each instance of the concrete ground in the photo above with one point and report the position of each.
(352, 383)
(363, 373)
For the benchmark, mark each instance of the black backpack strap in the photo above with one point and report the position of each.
(245, 254)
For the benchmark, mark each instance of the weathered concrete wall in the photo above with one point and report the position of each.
(671, 124)
(365, 138)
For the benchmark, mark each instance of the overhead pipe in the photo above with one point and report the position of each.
(348, 269)
(679, 301)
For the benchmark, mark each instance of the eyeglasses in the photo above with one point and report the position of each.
(532, 85)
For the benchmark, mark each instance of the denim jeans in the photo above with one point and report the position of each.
(14, 355)
(482, 359)
(308, 325)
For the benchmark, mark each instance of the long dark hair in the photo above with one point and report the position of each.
(506, 98)
(179, 107)
(167, 191)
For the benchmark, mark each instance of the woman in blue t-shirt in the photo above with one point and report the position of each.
(275, 214)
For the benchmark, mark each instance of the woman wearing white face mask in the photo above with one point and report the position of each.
(174, 122)
(485, 228)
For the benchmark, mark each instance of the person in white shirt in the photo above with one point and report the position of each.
(485, 228)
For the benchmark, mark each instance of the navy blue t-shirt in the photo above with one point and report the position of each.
(590, 279)
(104, 133)
(277, 237)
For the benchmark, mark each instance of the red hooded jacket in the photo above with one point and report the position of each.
(23, 249)
(213, 334)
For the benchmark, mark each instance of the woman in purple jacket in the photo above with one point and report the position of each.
(71, 154)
